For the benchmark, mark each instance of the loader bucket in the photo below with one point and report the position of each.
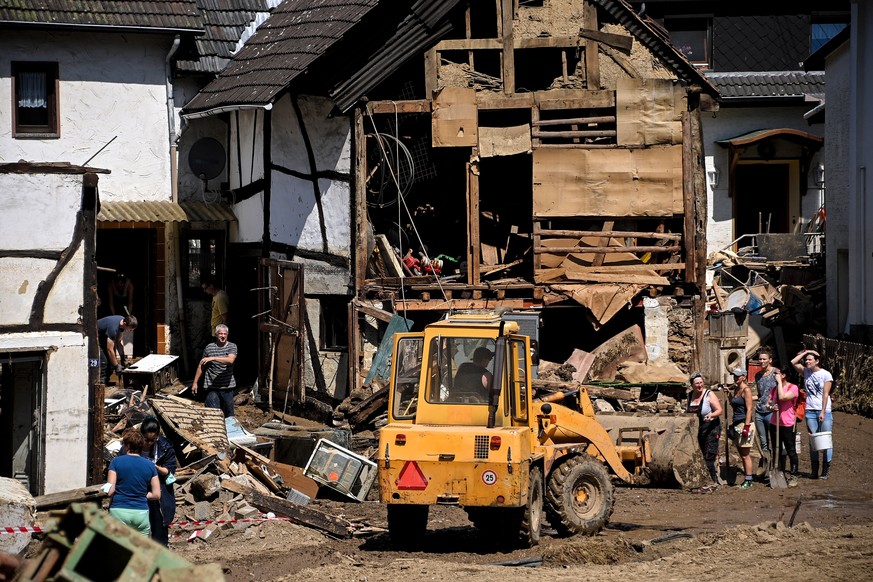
(674, 457)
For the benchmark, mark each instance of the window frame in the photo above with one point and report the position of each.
(333, 314)
(52, 129)
(687, 24)
(195, 291)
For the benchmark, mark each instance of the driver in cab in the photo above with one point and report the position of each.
(473, 378)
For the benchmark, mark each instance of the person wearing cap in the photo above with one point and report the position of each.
(818, 383)
(742, 430)
(474, 377)
(708, 409)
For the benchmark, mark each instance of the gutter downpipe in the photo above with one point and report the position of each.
(174, 189)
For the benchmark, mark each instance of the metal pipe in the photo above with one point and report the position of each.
(171, 118)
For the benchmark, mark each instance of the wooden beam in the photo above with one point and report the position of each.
(302, 514)
(354, 343)
(389, 107)
(469, 44)
(431, 74)
(580, 133)
(607, 227)
(592, 52)
(609, 250)
(474, 255)
(575, 99)
(442, 305)
(623, 268)
(616, 278)
(64, 498)
(371, 310)
(611, 233)
(596, 391)
(488, 101)
(360, 186)
(507, 15)
(620, 41)
(576, 120)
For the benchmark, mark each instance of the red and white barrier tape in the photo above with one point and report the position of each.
(23, 529)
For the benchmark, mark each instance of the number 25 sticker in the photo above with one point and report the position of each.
(489, 477)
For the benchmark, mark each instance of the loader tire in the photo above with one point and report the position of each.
(513, 527)
(532, 512)
(580, 496)
(407, 524)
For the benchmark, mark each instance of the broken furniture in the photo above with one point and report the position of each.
(84, 543)
(341, 469)
(158, 372)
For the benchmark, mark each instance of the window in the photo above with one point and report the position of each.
(691, 37)
(461, 369)
(204, 256)
(334, 323)
(823, 32)
(35, 99)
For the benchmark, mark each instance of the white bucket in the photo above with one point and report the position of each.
(820, 441)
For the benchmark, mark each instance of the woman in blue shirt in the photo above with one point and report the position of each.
(133, 483)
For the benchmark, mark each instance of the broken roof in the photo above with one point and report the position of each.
(645, 31)
(155, 15)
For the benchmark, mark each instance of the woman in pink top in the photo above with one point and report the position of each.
(783, 399)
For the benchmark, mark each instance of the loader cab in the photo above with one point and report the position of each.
(444, 376)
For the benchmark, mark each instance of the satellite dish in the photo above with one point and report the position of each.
(206, 158)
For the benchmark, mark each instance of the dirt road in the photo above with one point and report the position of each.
(730, 533)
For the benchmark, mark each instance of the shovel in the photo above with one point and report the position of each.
(777, 477)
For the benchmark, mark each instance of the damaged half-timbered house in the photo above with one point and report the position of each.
(417, 159)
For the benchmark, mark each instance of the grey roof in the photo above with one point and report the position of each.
(225, 21)
(654, 38)
(295, 35)
(769, 85)
(177, 15)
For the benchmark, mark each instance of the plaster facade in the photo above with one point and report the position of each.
(731, 122)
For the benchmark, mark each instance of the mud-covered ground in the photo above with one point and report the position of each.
(731, 533)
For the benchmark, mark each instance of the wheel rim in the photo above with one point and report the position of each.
(586, 497)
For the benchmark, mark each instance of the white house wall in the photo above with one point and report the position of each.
(111, 86)
(40, 213)
(39, 210)
(731, 122)
(246, 147)
(837, 182)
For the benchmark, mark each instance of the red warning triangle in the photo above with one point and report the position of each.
(411, 477)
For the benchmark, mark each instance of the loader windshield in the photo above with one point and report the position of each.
(461, 369)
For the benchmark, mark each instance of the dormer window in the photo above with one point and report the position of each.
(692, 36)
(35, 100)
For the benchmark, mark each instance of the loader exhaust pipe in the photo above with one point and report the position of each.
(497, 377)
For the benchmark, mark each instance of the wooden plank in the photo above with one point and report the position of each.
(365, 410)
(431, 74)
(546, 275)
(535, 238)
(372, 310)
(688, 192)
(607, 226)
(620, 41)
(592, 51)
(575, 120)
(390, 108)
(441, 305)
(360, 234)
(507, 14)
(629, 278)
(611, 233)
(473, 217)
(596, 391)
(575, 134)
(626, 268)
(469, 44)
(354, 341)
(575, 99)
(633, 249)
(488, 101)
(294, 478)
(313, 518)
(64, 498)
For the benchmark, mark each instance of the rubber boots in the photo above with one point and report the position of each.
(813, 473)
(825, 470)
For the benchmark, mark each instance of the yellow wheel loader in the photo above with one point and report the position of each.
(465, 429)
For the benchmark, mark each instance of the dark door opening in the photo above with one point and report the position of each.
(762, 199)
(22, 418)
(131, 252)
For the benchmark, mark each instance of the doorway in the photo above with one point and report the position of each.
(763, 200)
(22, 393)
(131, 252)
